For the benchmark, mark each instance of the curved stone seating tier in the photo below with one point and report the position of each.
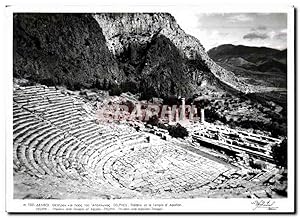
(38, 138)
(97, 161)
(67, 150)
(57, 106)
(39, 102)
(95, 152)
(36, 135)
(18, 113)
(69, 119)
(65, 118)
(29, 155)
(53, 165)
(83, 125)
(24, 129)
(59, 113)
(48, 164)
(71, 125)
(81, 132)
(92, 134)
(15, 157)
(25, 161)
(103, 156)
(23, 133)
(60, 172)
(52, 142)
(94, 138)
(36, 95)
(22, 122)
(53, 151)
(34, 92)
(47, 138)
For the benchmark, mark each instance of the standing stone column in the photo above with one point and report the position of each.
(182, 114)
(176, 115)
(170, 117)
(202, 120)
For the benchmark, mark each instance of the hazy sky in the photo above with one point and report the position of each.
(252, 29)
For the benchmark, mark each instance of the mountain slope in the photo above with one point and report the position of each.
(138, 52)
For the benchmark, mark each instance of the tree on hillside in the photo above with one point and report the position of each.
(280, 154)
(153, 120)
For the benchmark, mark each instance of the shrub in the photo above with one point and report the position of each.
(114, 90)
(280, 154)
(153, 120)
(178, 131)
(129, 86)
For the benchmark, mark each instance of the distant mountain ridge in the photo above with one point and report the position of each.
(250, 58)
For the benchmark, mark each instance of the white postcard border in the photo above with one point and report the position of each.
(197, 205)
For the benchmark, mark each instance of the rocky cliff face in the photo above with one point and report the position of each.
(146, 55)
(132, 32)
(63, 49)
(137, 52)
